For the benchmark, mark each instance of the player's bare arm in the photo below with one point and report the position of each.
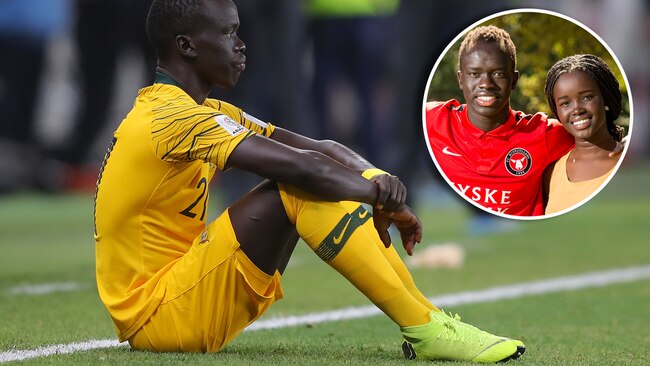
(391, 189)
(333, 149)
(309, 170)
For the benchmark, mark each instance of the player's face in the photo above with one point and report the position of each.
(487, 78)
(220, 53)
(580, 105)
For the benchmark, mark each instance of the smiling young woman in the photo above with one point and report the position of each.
(584, 94)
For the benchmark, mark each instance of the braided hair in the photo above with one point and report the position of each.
(489, 34)
(600, 72)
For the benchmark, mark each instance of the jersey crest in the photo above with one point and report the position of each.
(518, 161)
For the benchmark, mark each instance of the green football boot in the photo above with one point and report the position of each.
(447, 338)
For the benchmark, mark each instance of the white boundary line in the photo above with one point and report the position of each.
(45, 288)
(58, 349)
(592, 279)
(587, 280)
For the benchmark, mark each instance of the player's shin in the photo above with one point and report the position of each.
(405, 276)
(342, 234)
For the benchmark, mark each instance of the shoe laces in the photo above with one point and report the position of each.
(453, 325)
(452, 322)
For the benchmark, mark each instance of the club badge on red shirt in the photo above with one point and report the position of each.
(518, 161)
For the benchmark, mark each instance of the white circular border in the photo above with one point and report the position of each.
(515, 11)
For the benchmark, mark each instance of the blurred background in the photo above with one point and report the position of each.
(349, 70)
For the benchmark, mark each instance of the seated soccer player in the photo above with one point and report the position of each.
(172, 282)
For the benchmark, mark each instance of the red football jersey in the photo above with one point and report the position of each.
(501, 169)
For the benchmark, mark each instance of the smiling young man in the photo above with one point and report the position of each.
(171, 281)
(493, 155)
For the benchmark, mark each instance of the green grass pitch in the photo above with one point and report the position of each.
(48, 239)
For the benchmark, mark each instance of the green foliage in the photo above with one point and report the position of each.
(541, 40)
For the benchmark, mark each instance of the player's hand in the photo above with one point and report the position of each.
(620, 146)
(391, 192)
(408, 224)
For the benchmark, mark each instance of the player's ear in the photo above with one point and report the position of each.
(459, 76)
(185, 46)
(515, 78)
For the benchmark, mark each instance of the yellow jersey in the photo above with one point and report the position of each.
(152, 193)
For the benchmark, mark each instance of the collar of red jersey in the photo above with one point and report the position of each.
(502, 132)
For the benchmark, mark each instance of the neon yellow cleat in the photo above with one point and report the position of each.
(447, 338)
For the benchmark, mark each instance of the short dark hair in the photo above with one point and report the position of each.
(489, 34)
(169, 18)
(599, 71)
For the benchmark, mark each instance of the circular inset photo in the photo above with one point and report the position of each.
(526, 114)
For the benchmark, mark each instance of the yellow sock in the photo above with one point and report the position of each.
(342, 235)
(407, 279)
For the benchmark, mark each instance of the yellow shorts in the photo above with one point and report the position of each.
(211, 294)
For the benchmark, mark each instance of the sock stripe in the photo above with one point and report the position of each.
(330, 247)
